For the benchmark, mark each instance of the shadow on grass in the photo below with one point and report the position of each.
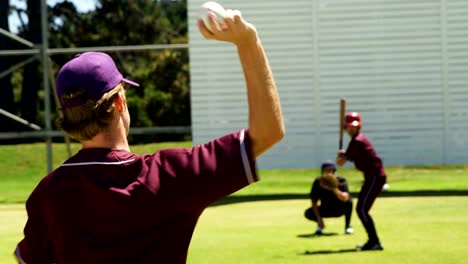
(325, 252)
(313, 235)
(291, 196)
(422, 193)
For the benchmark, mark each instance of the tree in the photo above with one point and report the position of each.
(164, 98)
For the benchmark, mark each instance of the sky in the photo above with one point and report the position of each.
(81, 5)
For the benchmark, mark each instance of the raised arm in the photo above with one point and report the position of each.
(265, 118)
(266, 125)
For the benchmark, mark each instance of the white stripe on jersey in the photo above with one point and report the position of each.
(245, 159)
(96, 163)
(18, 256)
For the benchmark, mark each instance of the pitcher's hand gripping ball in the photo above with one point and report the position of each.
(329, 182)
(217, 12)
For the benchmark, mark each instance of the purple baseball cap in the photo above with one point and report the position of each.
(95, 72)
(328, 164)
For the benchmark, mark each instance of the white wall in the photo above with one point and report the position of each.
(402, 64)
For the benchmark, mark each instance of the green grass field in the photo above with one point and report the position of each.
(413, 230)
(421, 219)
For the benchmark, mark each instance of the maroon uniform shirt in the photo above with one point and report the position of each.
(113, 206)
(328, 198)
(362, 153)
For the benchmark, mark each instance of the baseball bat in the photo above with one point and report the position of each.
(342, 115)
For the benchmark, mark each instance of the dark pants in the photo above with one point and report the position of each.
(369, 192)
(346, 208)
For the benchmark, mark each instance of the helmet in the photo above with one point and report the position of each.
(328, 164)
(352, 119)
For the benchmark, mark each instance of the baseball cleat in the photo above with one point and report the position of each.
(349, 231)
(371, 246)
(318, 231)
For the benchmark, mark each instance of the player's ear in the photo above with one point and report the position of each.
(119, 104)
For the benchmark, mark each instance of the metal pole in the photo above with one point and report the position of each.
(99, 48)
(20, 120)
(45, 77)
(15, 37)
(19, 52)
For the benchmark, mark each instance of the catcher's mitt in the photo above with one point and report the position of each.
(329, 182)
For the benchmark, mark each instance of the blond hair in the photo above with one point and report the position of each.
(85, 121)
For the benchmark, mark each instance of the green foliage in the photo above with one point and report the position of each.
(168, 98)
(164, 96)
(139, 118)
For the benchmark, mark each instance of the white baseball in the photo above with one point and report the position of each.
(385, 187)
(214, 7)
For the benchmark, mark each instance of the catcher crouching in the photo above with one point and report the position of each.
(334, 197)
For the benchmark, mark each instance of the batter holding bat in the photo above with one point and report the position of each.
(365, 158)
(109, 205)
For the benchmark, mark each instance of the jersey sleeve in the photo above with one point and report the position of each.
(35, 246)
(315, 190)
(206, 173)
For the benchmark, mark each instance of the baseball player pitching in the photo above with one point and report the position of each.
(109, 205)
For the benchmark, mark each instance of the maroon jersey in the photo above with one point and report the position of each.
(328, 198)
(362, 153)
(113, 206)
